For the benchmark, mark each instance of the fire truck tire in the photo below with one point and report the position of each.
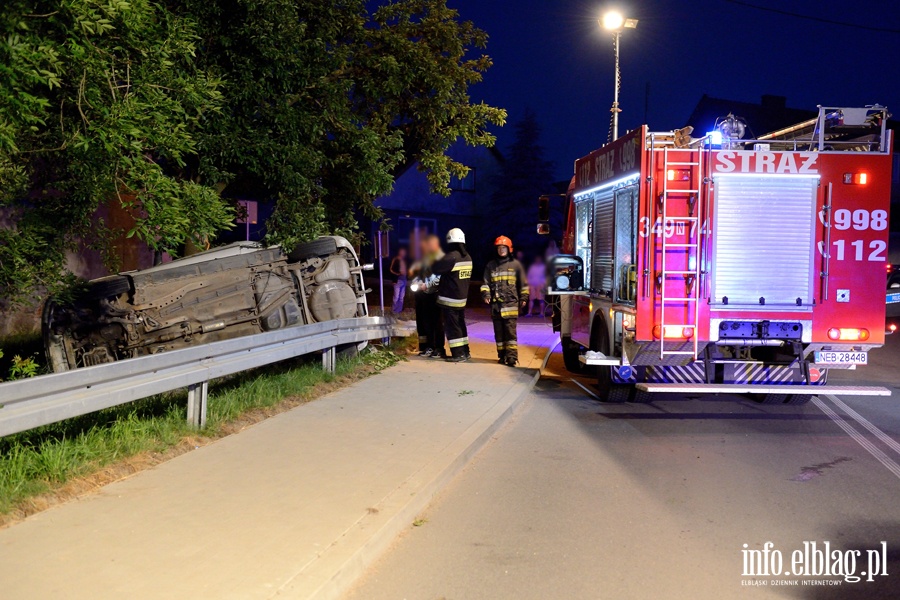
(799, 399)
(571, 351)
(640, 397)
(607, 390)
(782, 399)
(619, 392)
(768, 398)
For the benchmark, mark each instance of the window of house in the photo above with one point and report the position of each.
(466, 184)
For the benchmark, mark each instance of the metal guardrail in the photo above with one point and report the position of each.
(29, 403)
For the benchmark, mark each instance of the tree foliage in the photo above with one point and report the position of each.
(328, 102)
(101, 103)
(160, 106)
(524, 176)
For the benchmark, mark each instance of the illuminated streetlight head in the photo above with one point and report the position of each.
(613, 20)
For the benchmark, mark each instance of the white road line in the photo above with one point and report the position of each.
(860, 439)
(592, 394)
(885, 438)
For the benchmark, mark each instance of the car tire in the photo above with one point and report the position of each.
(108, 287)
(325, 246)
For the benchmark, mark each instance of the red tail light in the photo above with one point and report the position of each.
(674, 332)
(848, 334)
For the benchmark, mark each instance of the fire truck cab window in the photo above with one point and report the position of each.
(583, 219)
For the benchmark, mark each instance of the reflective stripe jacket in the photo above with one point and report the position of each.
(455, 270)
(505, 285)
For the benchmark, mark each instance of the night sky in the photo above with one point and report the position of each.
(551, 56)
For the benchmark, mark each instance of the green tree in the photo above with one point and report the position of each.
(329, 102)
(524, 176)
(159, 106)
(100, 103)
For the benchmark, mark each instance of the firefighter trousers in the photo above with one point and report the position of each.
(428, 323)
(457, 334)
(505, 335)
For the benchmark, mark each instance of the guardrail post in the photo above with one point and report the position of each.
(196, 408)
(328, 355)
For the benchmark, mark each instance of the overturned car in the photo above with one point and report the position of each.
(239, 289)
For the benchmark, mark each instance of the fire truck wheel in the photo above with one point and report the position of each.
(608, 391)
(640, 397)
(768, 398)
(571, 351)
(799, 399)
(783, 399)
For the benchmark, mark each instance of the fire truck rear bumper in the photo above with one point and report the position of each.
(738, 388)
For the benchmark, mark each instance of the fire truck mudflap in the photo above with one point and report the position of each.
(714, 265)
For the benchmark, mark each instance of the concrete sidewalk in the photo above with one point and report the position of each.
(296, 506)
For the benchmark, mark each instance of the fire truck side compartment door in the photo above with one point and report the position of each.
(764, 246)
(584, 214)
(604, 232)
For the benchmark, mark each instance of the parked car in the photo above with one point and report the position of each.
(893, 295)
(239, 289)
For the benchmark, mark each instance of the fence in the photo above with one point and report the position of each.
(30, 403)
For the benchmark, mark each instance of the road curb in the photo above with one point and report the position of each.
(405, 505)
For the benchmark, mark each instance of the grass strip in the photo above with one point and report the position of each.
(45, 466)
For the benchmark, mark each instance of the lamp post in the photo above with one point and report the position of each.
(616, 23)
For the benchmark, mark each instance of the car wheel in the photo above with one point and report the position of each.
(108, 287)
(321, 247)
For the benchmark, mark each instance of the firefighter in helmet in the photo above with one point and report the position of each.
(506, 290)
(455, 269)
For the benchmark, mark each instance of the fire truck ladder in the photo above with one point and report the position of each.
(689, 301)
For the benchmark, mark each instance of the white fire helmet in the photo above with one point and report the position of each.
(456, 236)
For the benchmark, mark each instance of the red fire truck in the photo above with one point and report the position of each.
(728, 265)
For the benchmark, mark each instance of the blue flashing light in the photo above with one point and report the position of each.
(715, 138)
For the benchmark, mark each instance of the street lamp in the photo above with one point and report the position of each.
(615, 22)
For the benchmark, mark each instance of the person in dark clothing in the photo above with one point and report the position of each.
(425, 288)
(506, 290)
(455, 269)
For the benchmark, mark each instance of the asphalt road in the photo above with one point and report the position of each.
(580, 499)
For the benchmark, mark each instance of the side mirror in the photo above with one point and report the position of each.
(544, 209)
(543, 227)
